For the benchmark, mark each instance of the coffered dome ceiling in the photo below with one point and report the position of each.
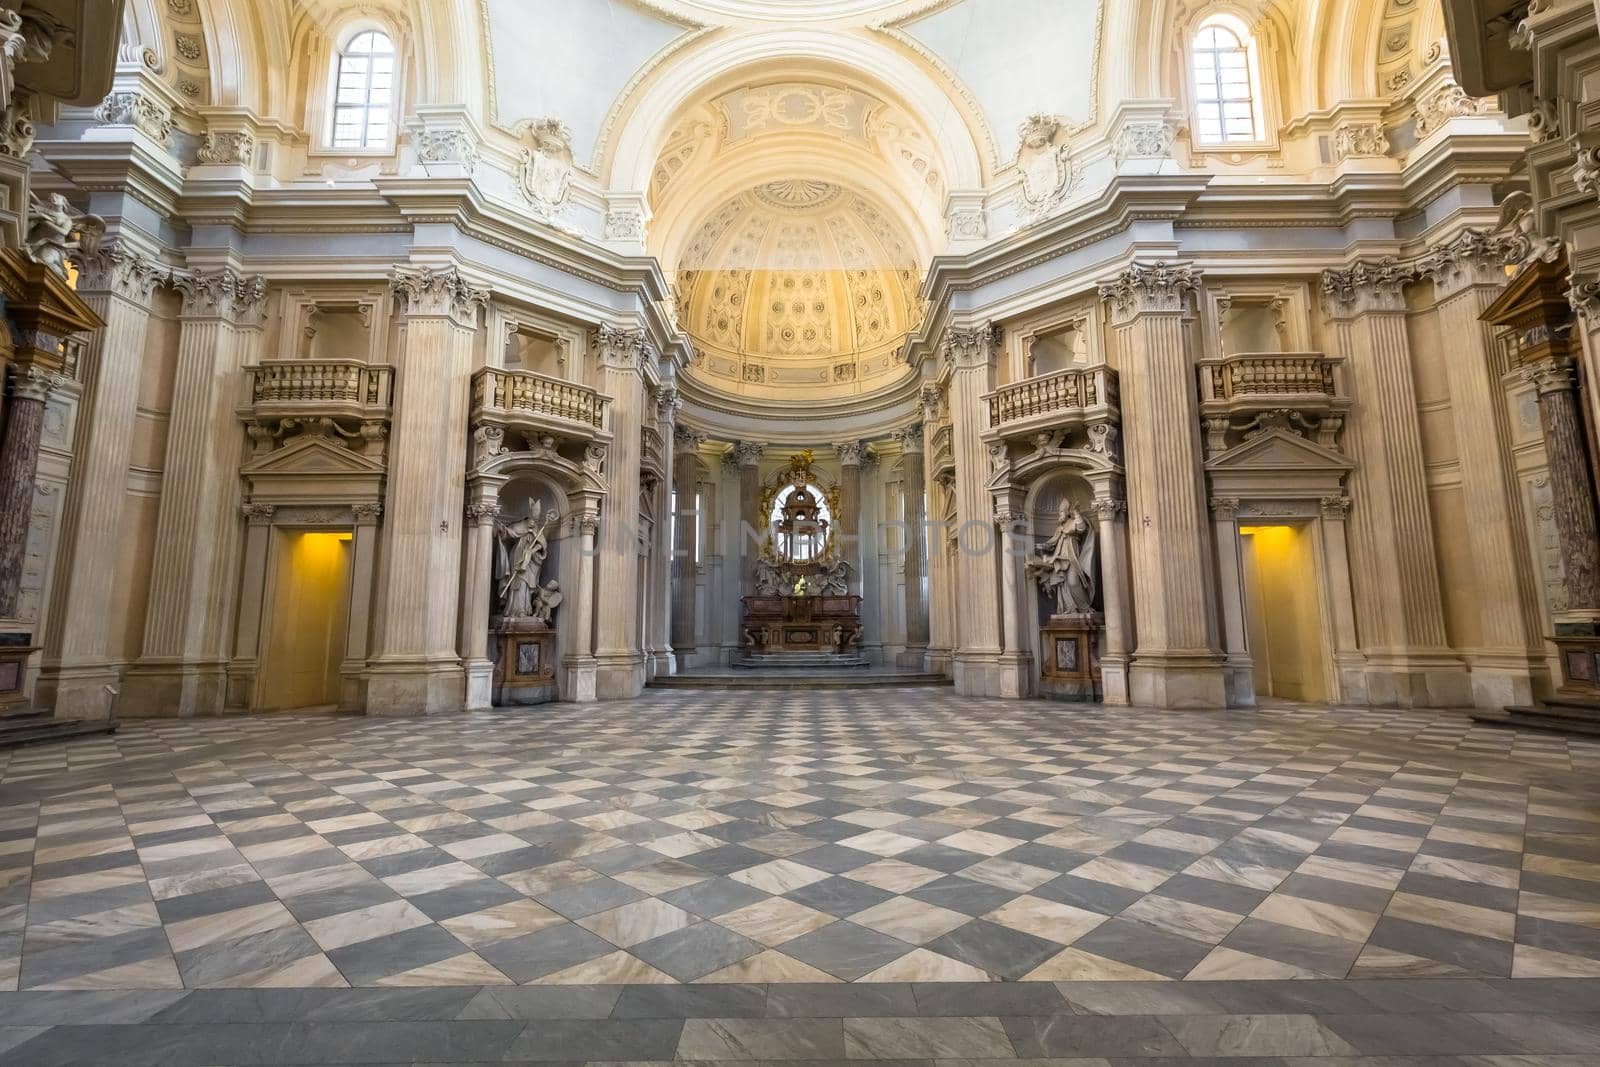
(798, 284)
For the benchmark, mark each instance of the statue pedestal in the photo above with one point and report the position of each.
(1070, 665)
(524, 655)
(14, 652)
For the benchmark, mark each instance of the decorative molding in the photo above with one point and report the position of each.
(1358, 140)
(1470, 256)
(1552, 375)
(1144, 140)
(972, 346)
(368, 514)
(120, 272)
(1044, 163)
(1436, 108)
(1224, 509)
(1113, 510)
(911, 437)
(1336, 508)
(850, 453)
(747, 453)
(227, 148)
(483, 513)
(257, 514)
(687, 440)
(544, 166)
(34, 383)
(1367, 285)
(222, 294)
(448, 145)
(627, 349)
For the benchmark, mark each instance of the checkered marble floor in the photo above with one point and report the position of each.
(138, 739)
(891, 836)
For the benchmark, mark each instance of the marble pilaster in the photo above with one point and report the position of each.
(851, 454)
(667, 405)
(686, 517)
(182, 668)
(1239, 668)
(1399, 606)
(619, 656)
(913, 472)
(1010, 514)
(1111, 515)
(244, 667)
(747, 536)
(1176, 662)
(415, 667)
(578, 665)
(1508, 663)
(476, 603)
(78, 669)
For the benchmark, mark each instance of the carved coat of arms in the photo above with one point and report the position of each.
(1044, 163)
(546, 166)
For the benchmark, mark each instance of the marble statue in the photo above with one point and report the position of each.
(521, 548)
(834, 580)
(769, 578)
(57, 230)
(1064, 566)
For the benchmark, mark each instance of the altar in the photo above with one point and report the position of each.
(802, 623)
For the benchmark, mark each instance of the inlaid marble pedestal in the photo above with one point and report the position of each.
(524, 652)
(1070, 662)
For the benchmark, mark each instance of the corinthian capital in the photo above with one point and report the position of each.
(686, 440)
(222, 294)
(851, 453)
(1367, 285)
(121, 272)
(910, 437)
(1470, 257)
(1147, 288)
(748, 453)
(627, 349)
(426, 292)
(972, 346)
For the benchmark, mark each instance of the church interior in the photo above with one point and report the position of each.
(800, 531)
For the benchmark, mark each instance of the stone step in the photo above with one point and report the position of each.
(795, 682)
(800, 661)
(37, 728)
(1554, 718)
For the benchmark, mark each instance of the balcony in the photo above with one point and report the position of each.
(534, 404)
(1302, 390)
(1064, 400)
(326, 388)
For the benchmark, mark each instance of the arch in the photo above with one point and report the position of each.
(641, 121)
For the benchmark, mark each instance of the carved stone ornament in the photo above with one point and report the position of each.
(1586, 169)
(999, 459)
(59, 232)
(367, 514)
(1112, 510)
(1584, 296)
(1152, 287)
(1368, 285)
(625, 225)
(124, 273)
(932, 403)
(438, 293)
(545, 166)
(1224, 508)
(27, 35)
(968, 224)
(850, 453)
(623, 348)
(1519, 224)
(487, 443)
(1336, 508)
(483, 512)
(1105, 439)
(687, 440)
(1045, 164)
(34, 383)
(1145, 140)
(594, 458)
(1472, 255)
(227, 148)
(144, 113)
(668, 403)
(748, 453)
(1544, 120)
(448, 144)
(911, 437)
(258, 514)
(16, 126)
(972, 346)
(1352, 140)
(1438, 107)
(222, 294)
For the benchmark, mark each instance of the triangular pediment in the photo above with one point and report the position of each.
(313, 454)
(1280, 450)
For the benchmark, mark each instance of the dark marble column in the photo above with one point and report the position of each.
(914, 482)
(19, 466)
(1571, 489)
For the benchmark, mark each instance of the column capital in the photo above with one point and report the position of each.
(1109, 509)
(851, 453)
(932, 398)
(1367, 286)
(257, 514)
(483, 512)
(1162, 287)
(1224, 508)
(1551, 375)
(624, 349)
(1471, 257)
(747, 453)
(668, 402)
(121, 272)
(1584, 296)
(367, 514)
(971, 346)
(685, 439)
(222, 294)
(1010, 506)
(910, 437)
(427, 292)
(29, 382)
(1336, 508)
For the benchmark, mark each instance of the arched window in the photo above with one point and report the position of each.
(364, 92)
(1227, 84)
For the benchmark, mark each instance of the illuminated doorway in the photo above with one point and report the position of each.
(310, 610)
(1283, 612)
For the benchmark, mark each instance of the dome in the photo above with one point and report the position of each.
(798, 283)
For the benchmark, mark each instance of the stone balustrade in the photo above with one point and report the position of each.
(331, 388)
(1248, 391)
(1053, 401)
(532, 401)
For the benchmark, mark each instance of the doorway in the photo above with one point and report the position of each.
(1283, 613)
(310, 609)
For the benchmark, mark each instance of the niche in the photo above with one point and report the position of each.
(1252, 327)
(531, 350)
(1063, 348)
(337, 331)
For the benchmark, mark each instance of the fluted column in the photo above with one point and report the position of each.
(970, 353)
(851, 455)
(667, 404)
(28, 387)
(1347, 657)
(685, 570)
(1230, 593)
(578, 664)
(1399, 607)
(914, 482)
(476, 600)
(1508, 663)
(1571, 490)
(1176, 662)
(747, 455)
(118, 284)
(415, 667)
(1010, 514)
(619, 659)
(1111, 516)
(194, 569)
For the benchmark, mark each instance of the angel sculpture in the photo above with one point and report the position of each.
(1064, 566)
(57, 231)
(545, 604)
(834, 580)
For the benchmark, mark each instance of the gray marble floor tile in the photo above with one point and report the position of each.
(1075, 1036)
